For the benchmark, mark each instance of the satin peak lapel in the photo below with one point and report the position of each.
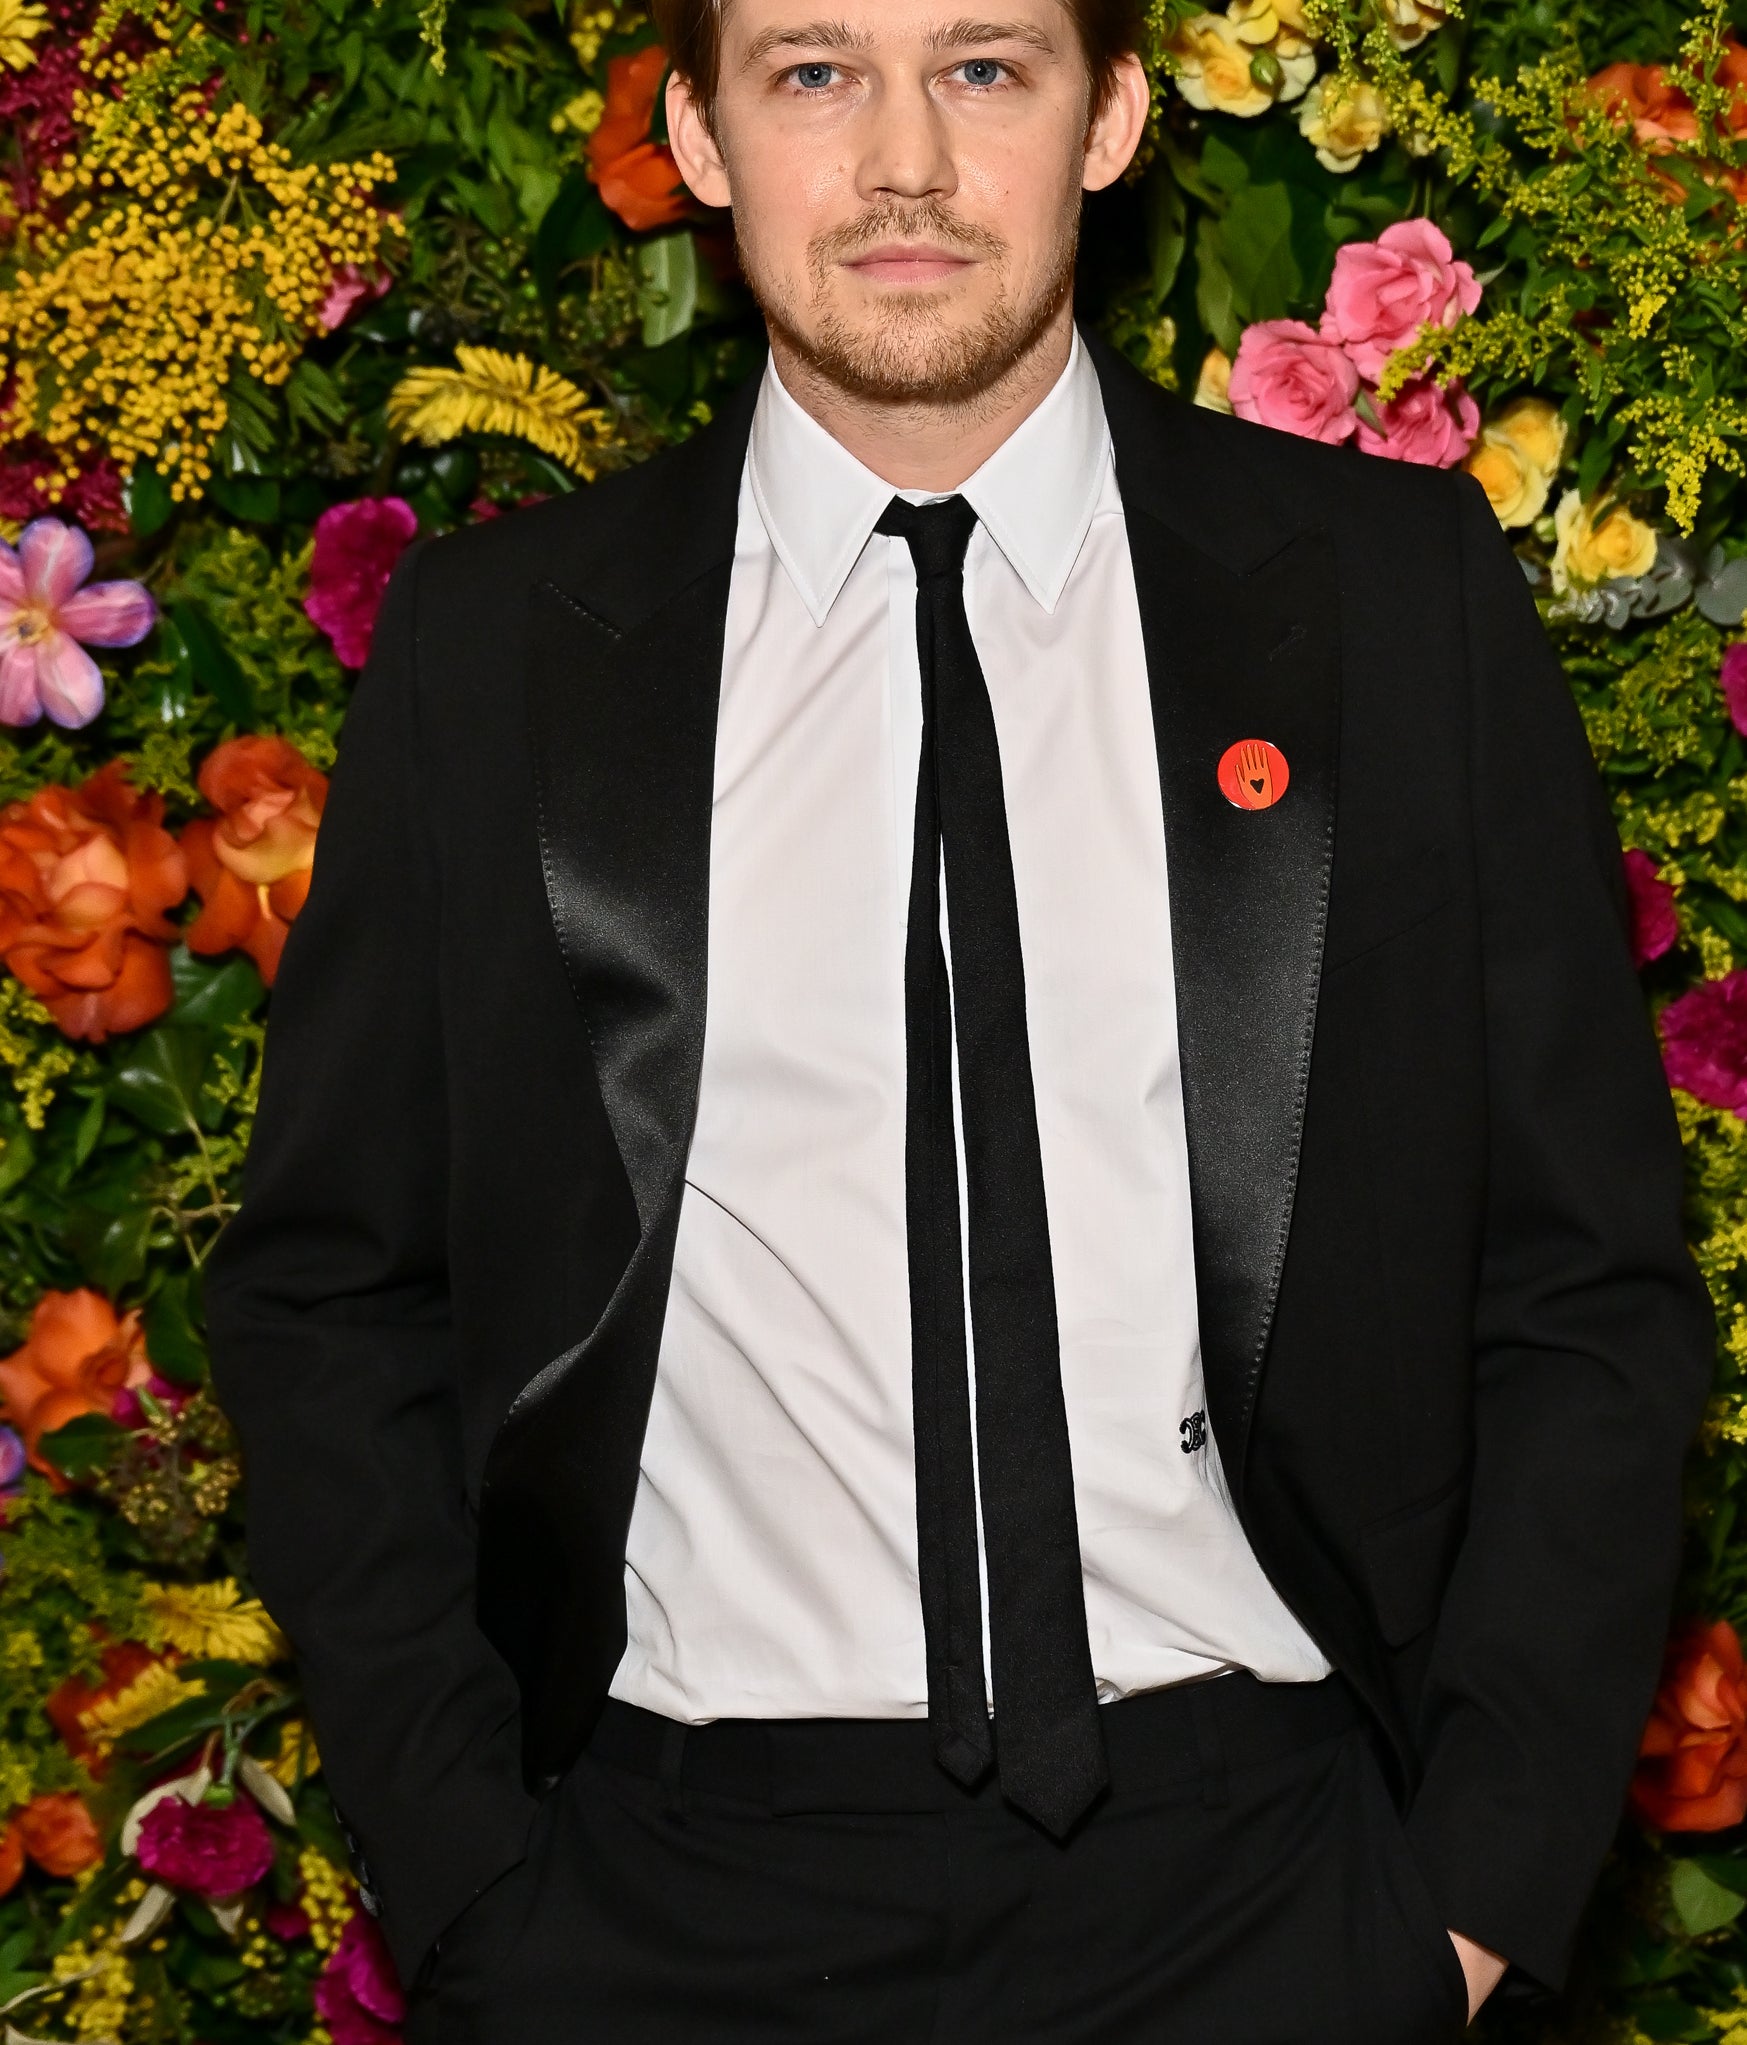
(1238, 612)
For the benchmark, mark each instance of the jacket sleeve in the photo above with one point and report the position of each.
(333, 1351)
(1594, 1340)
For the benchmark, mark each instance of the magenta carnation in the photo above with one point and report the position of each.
(286, 1921)
(1287, 375)
(358, 1995)
(1422, 423)
(214, 1850)
(1704, 1042)
(1655, 926)
(1732, 680)
(356, 547)
(1383, 291)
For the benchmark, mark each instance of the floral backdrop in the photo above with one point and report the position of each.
(284, 283)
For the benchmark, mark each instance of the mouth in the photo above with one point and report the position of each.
(908, 262)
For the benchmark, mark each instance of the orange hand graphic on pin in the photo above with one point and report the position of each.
(1253, 774)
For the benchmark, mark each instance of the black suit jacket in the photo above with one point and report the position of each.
(1454, 1343)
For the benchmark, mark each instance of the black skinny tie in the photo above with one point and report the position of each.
(1047, 1739)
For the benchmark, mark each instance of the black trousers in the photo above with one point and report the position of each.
(1246, 1881)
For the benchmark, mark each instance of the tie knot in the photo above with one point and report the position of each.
(937, 534)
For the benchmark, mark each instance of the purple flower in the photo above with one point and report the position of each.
(1655, 926)
(47, 621)
(358, 1995)
(356, 547)
(1732, 680)
(1704, 1042)
(11, 1458)
(213, 1850)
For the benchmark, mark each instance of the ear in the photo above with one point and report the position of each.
(694, 147)
(1117, 126)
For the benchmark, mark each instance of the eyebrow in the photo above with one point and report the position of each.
(838, 35)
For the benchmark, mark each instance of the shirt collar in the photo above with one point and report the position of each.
(1035, 494)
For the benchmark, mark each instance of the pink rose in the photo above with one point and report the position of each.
(1384, 291)
(214, 1850)
(356, 547)
(357, 1995)
(1732, 680)
(1704, 1042)
(1422, 423)
(349, 288)
(1655, 926)
(1288, 375)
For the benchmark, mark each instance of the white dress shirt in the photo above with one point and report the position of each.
(771, 1561)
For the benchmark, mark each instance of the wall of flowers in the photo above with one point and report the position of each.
(284, 283)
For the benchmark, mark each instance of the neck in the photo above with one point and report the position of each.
(918, 445)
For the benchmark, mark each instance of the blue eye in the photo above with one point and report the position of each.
(813, 76)
(982, 71)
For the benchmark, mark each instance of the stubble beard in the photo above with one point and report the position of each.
(909, 351)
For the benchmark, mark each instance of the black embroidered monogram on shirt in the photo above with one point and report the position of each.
(1194, 1432)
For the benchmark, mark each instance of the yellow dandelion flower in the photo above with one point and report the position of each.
(153, 1690)
(216, 1620)
(21, 22)
(497, 393)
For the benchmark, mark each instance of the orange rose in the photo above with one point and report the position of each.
(1660, 113)
(1692, 1766)
(636, 177)
(58, 1832)
(79, 1355)
(11, 1855)
(250, 864)
(67, 1703)
(85, 877)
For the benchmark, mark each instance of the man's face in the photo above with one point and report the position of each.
(905, 182)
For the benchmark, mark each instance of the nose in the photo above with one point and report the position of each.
(906, 148)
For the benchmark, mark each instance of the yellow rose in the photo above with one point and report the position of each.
(1276, 26)
(1517, 457)
(1291, 16)
(1593, 550)
(1213, 384)
(1342, 119)
(1213, 67)
(1411, 21)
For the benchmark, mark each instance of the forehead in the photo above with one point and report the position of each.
(754, 29)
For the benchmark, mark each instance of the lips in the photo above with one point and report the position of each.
(908, 263)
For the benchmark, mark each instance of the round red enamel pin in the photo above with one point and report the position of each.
(1253, 774)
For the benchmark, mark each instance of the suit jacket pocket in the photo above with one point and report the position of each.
(1374, 904)
(1407, 1556)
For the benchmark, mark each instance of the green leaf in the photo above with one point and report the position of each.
(575, 226)
(254, 499)
(1167, 216)
(158, 1079)
(667, 296)
(83, 1444)
(1222, 166)
(110, 1244)
(213, 664)
(1592, 465)
(17, 1155)
(1213, 290)
(89, 1129)
(149, 503)
(1257, 241)
(207, 995)
(1700, 1902)
(171, 1342)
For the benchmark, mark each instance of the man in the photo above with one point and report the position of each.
(960, 1308)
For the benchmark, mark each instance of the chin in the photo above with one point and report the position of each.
(913, 345)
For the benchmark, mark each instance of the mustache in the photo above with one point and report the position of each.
(924, 220)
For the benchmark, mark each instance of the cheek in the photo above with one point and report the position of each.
(786, 191)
